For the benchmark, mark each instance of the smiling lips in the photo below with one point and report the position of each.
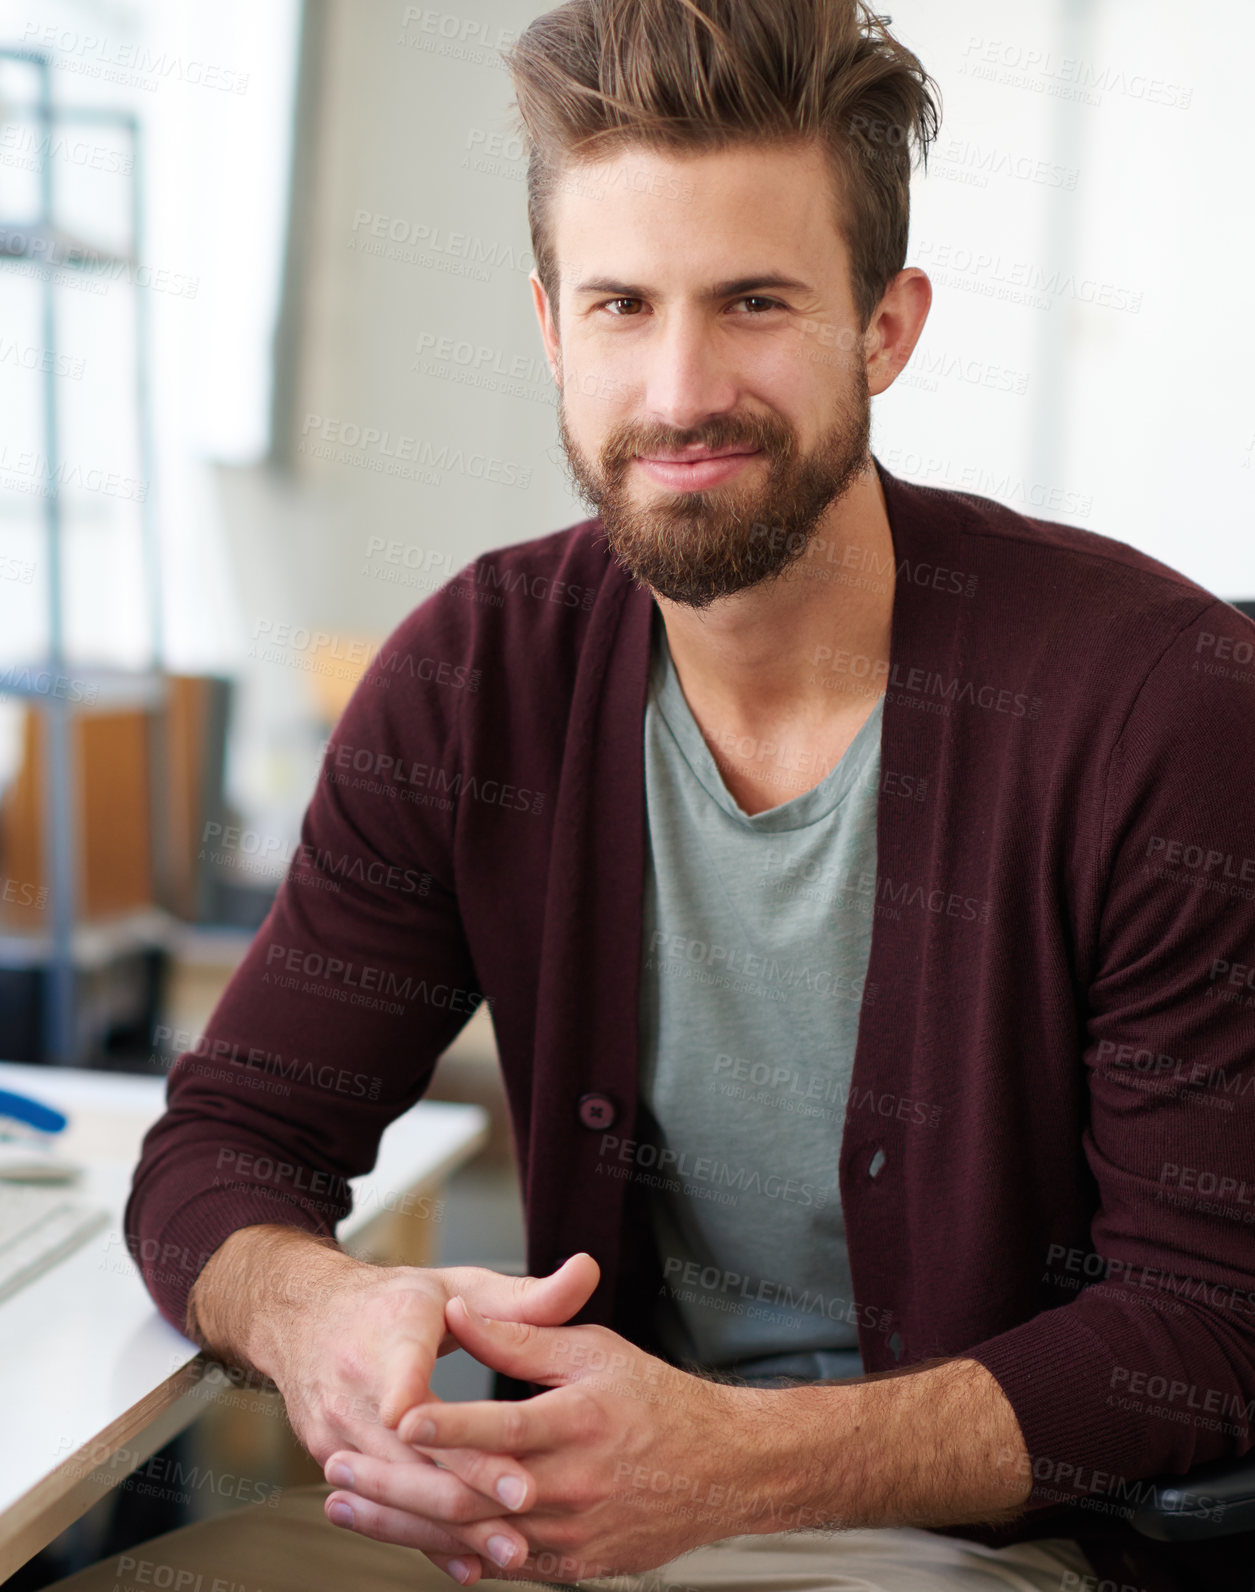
(697, 468)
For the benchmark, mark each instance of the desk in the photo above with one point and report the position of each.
(88, 1368)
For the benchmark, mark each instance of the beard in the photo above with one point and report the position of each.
(695, 547)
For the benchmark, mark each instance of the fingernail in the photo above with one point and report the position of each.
(500, 1550)
(511, 1491)
(424, 1432)
(340, 1513)
(460, 1570)
(339, 1474)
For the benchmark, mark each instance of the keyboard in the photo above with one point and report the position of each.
(38, 1228)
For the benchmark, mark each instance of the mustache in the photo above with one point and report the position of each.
(765, 433)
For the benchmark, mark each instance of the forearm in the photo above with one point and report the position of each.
(928, 1447)
(255, 1285)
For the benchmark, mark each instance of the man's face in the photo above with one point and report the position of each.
(705, 308)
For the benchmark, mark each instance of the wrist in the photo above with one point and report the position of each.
(259, 1290)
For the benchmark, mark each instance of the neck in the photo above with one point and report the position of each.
(776, 648)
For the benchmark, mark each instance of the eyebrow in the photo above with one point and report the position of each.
(738, 285)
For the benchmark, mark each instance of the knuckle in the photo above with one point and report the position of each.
(347, 1360)
(585, 1414)
(461, 1508)
(564, 1535)
(581, 1493)
(472, 1466)
(513, 1425)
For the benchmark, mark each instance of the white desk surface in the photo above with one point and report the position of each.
(87, 1365)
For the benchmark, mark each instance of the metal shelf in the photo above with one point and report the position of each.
(40, 240)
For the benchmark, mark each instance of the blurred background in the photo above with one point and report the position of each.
(264, 316)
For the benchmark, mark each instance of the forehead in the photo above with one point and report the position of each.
(707, 212)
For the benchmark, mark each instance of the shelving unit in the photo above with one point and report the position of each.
(70, 947)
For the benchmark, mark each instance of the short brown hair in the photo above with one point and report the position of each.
(593, 76)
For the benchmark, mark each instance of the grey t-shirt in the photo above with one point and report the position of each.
(754, 953)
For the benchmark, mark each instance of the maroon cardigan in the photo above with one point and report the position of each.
(1060, 970)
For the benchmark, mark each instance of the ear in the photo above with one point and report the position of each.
(548, 328)
(895, 327)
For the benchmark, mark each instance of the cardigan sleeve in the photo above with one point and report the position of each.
(1151, 1369)
(358, 979)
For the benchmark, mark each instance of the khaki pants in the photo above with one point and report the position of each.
(292, 1547)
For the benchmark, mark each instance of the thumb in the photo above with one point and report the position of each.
(518, 1348)
(544, 1301)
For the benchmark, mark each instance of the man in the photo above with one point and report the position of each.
(832, 852)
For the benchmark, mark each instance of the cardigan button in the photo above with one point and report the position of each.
(895, 1343)
(597, 1111)
(876, 1162)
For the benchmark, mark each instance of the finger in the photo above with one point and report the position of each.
(545, 1301)
(521, 1350)
(416, 1485)
(492, 1541)
(405, 1369)
(518, 1426)
(497, 1476)
(465, 1568)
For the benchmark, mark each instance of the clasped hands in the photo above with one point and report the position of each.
(623, 1463)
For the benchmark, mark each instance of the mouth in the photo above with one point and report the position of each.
(695, 469)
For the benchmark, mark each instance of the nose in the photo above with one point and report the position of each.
(690, 375)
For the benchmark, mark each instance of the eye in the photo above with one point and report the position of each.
(606, 302)
(757, 298)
